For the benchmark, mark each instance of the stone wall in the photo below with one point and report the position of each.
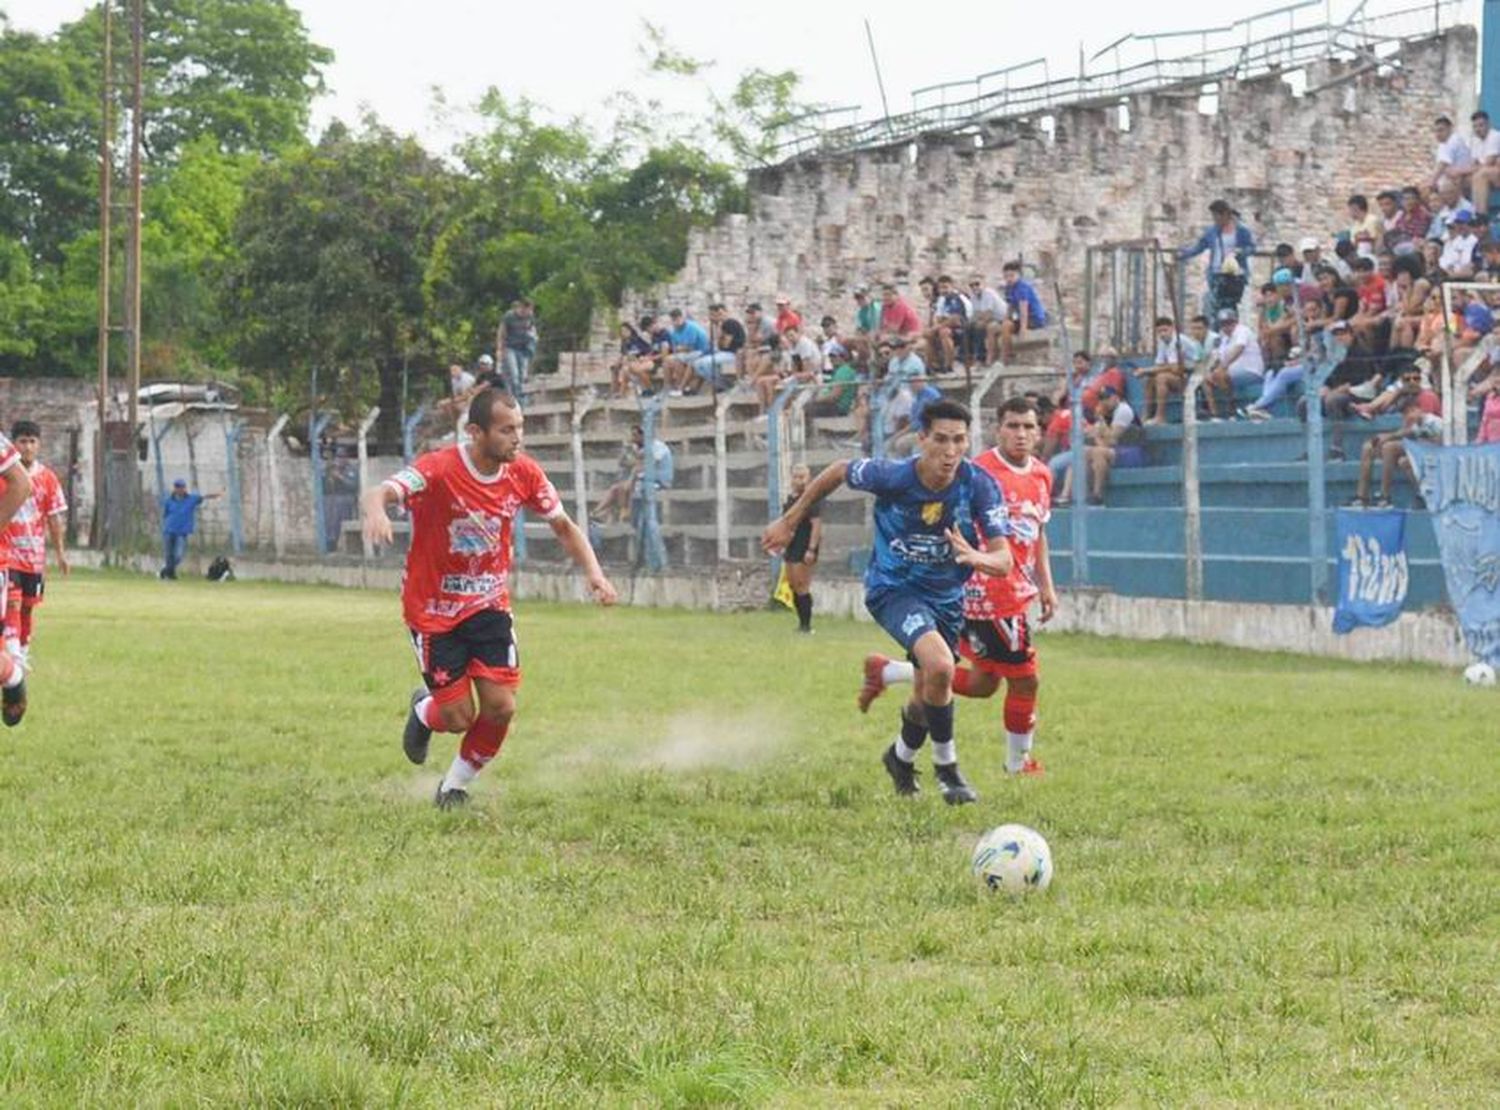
(1047, 187)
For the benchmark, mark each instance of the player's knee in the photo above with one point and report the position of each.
(1024, 687)
(457, 715)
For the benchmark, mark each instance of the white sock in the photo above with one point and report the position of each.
(1018, 747)
(17, 675)
(903, 753)
(897, 672)
(421, 708)
(460, 774)
(944, 754)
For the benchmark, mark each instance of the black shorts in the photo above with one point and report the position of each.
(27, 586)
(1000, 647)
(481, 646)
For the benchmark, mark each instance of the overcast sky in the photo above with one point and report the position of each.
(571, 56)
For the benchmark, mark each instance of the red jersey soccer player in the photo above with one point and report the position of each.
(455, 594)
(997, 635)
(17, 488)
(23, 544)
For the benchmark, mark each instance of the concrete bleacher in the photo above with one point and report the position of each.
(1252, 481)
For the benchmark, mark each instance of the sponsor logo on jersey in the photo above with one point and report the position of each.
(472, 585)
(932, 512)
(921, 548)
(475, 534)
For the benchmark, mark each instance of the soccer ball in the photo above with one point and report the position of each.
(1480, 674)
(1013, 858)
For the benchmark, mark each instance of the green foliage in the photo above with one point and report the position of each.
(685, 882)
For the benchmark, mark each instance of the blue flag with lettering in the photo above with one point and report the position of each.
(1372, 568)
(1462, 488)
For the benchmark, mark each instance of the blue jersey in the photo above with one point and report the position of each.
(911, 524)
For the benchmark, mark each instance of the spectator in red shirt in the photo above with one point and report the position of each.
(897, 316)
(786, 317)
(1415, 217)
(1371, 327)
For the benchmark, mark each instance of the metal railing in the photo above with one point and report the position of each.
(1228, 52)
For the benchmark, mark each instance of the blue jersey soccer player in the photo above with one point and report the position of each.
(938, 519)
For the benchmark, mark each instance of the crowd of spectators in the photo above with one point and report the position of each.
(884, 360)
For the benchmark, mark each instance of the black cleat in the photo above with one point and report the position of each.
(417, 736)
(902, 773)
(956, 789)
(450, 799)
(13, 704)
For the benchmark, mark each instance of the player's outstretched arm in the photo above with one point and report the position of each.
(577, 545)
(377, 526)
(17, 490)
(779, 532)
(995, 559)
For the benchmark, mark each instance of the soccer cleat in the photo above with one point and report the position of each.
(874, 684)
(13, 704)
(1030, 767)
(450, 799)
(417, 735)
(902, 773)
(956, 789)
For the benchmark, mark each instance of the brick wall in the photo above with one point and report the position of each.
(821, 225)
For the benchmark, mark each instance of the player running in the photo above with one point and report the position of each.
(455, 594)
(997, 635)
(16, 491)
(933, 513)
(23, 544)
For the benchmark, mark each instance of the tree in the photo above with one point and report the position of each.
(333, 242)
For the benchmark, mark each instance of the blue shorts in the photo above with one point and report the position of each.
(908, 616)
(1130, 454)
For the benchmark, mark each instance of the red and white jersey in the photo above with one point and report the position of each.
(23, 544)
(1027, 491)
(461, 529)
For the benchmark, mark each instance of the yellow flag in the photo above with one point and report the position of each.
(783, 590)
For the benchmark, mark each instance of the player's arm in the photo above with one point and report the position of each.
(1048, 591)
(377, 525)
(779, 532)
(55, 529)
(17, 490)
(814, 541)
(995, 559)
(577, 545)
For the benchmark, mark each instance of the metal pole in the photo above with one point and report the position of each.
(316, 426)
(273, 472)
(1317, 529)
(100, 537)
(580, 474)
(137, 137)
(879, 81)
(721, 475)
(409, 432)
(362, 450)
(773, 463)
(648, 534)
(1192, 494)
(232, 432)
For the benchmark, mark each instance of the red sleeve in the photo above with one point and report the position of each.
(412, 481)
(540, 497)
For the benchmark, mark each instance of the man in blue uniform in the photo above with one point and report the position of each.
(938, 519)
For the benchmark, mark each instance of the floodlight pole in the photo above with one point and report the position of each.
(100, 537)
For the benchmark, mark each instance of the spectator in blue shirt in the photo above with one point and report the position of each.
(689, 343)
(179, 515)
(1024, 311)
(1225, 240)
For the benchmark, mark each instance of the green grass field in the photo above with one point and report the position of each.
(686, 882)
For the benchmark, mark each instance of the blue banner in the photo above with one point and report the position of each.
(1372, 568)
(1462, 488)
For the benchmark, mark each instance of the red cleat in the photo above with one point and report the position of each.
(874, 684)
(1031, 767)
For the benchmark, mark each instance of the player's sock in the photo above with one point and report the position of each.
(804, 610)
(940, 724)
(913, 736)
(427, 712)
(480, 745)
(897, 672)
(12, 673)
(1020, 730)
